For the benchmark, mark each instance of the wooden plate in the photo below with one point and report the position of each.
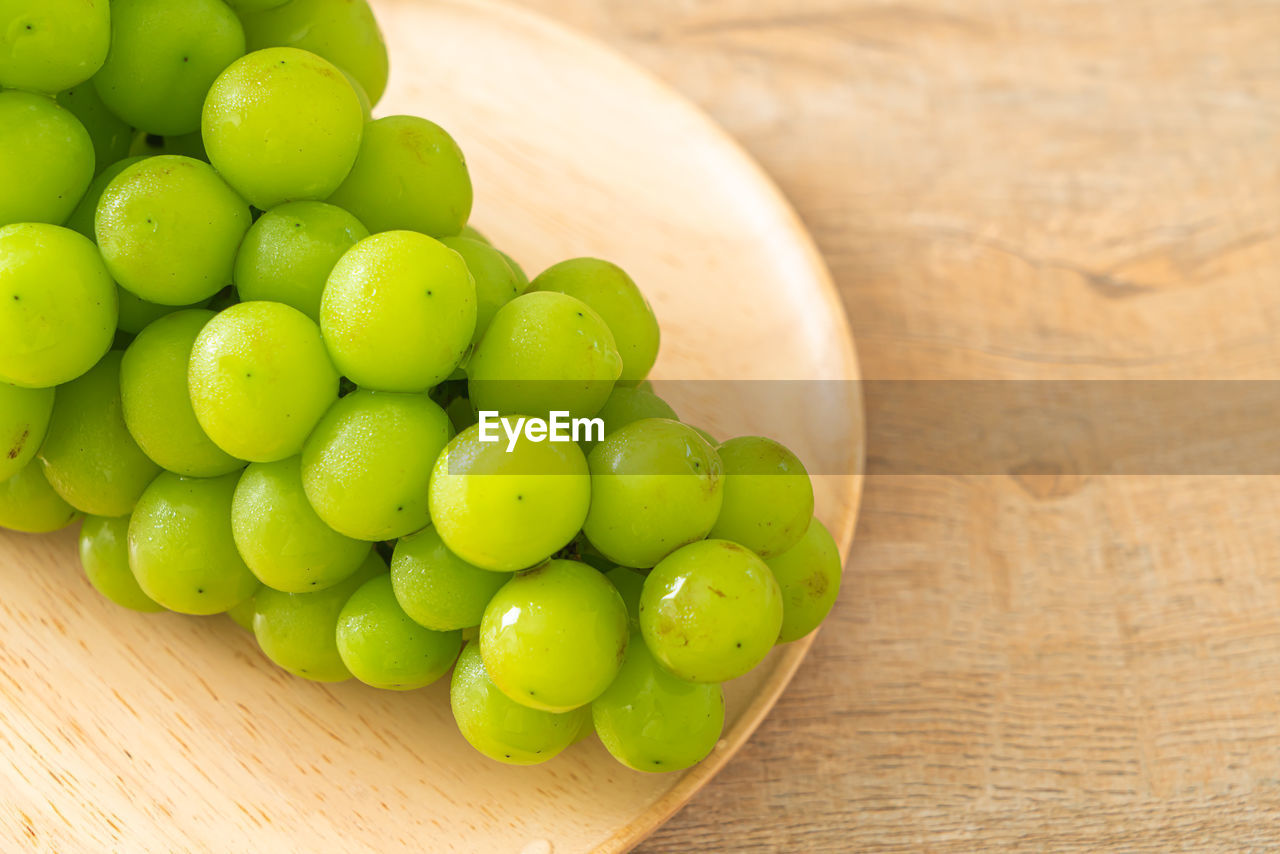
(171, 733)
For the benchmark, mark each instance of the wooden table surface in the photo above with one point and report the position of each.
(1029, 189)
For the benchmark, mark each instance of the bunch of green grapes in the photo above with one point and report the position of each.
(249, 338)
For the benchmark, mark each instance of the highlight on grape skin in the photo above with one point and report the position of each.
(251, 341)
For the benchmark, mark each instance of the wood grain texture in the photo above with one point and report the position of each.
(1029, 189)
(129, 732)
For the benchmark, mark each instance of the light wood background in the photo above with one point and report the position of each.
(1018, 189)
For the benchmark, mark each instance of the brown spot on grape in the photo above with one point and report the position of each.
(817, 584)
(22, 440)
(717, 591)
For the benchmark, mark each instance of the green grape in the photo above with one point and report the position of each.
(410, 174)
(298, 631)
(81, 219)
(282, 125)
(342, 31)
(57, 305)
(165, 54)
(242, 614)
(89, 457)
(438, 589)
(46, 159)
(136, 314)
(246, 6)
(289, 252)
(24, 418)
(367, 465)
(522, 279)
(808, 574)
(768, 499)
(655, 486)
(398, 312)
(710, 611)
(500, 728)
(553, 637)
(711, 440)
(613, 295)
(629, 585)
(109, 134)
(187, 144)
(382, 647)
(169, 228)
(29, 504)
(652, 721)
(495, 283)
(50, 45)
(470, 232)
(590, 554)
(157, 405)
(586, 730)
(508, 508)
(544, 352)
(282, 539)
(260, 380)
(104, 554)
(626, 405)
(366, 106)
(180, 545)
